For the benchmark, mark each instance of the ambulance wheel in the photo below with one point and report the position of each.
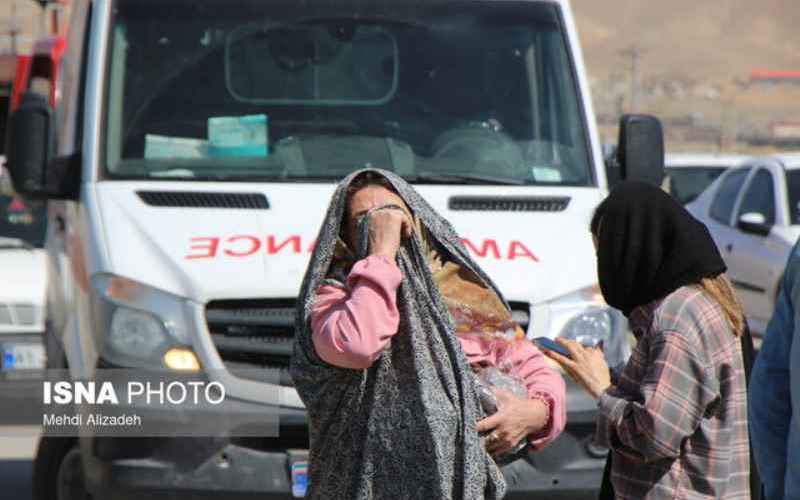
(58, 470)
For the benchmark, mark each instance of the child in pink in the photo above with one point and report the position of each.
(352, 326)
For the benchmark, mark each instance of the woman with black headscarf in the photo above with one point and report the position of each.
(675, 419)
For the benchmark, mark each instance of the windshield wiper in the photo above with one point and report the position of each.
(15, 243)
(438, 178)
(425, 178)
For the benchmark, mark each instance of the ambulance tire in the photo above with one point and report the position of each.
(58, 471)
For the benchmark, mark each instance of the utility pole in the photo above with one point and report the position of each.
(634, 52)
(13, 29)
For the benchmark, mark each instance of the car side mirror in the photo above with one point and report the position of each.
(31, 141)
(640, 151)
(754, 223)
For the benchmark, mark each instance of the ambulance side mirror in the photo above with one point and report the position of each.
(640, 150)
(31, 142)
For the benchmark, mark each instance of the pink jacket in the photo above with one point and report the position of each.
(351, 329)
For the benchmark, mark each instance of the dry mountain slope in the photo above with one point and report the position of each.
(713, 40)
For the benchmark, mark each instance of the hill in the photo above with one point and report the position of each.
(694, 67)
(712, 41)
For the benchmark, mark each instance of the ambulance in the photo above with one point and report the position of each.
(190, 160)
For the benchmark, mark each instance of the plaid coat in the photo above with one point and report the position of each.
(676, 421)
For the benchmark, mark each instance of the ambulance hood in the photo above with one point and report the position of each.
(536, 250)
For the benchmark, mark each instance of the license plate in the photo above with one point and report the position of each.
(22, 357)
(299, 479)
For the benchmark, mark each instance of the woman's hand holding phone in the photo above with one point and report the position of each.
(547, 344)
(586, 365)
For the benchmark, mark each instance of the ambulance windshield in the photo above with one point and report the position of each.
(437, 91)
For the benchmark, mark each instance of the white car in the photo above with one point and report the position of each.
(23, 281)
(690, 174)
(753, 214)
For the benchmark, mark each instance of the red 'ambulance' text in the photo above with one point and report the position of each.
(245, 245)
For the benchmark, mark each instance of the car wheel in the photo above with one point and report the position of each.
(58, 470)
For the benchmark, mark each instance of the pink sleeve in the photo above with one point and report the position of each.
(352, 327)
(544, 383)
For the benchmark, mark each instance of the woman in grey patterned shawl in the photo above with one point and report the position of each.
(404, 424)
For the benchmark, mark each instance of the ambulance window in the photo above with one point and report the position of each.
(477, 91)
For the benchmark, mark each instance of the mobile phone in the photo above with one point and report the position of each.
(552, 345)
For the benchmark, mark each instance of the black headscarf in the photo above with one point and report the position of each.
(649, 246)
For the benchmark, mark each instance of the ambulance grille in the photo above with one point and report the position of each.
(198, 199)
(509, 203)
(254, 337)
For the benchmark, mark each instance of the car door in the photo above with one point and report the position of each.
(752, 255)
(719, 216)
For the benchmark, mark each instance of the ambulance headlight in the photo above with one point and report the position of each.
(136, 333)
(583, 316)
(141, 323)
(590, 328)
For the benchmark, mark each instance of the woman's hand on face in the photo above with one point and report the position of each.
(515, 420)
(587, 367)
(386, 228)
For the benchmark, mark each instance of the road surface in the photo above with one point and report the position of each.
(17, 448)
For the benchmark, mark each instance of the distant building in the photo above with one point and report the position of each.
(772, 77)
(785, 133)
(20, 23)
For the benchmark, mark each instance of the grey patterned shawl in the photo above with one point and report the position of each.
(404, 428)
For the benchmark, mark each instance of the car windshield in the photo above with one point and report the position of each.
(22, 223)
(793, 189)
(686, 183)
(462, 92)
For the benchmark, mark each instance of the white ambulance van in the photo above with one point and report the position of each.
(192, 155)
